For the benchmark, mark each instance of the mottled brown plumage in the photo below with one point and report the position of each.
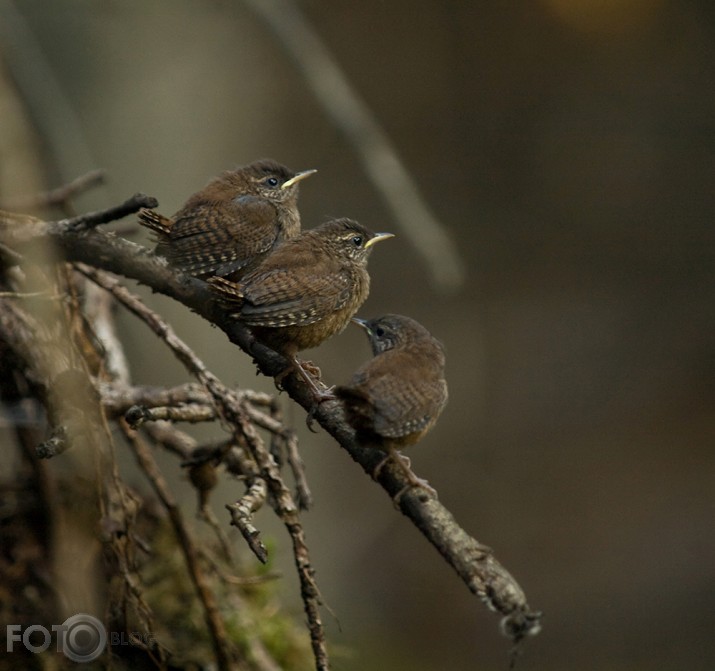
(306, 290)
(394, 399)
(229, 226)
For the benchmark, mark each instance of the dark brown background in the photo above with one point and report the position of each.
(569, 149)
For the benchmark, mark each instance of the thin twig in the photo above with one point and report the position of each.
(207, 515)
(118, 398)
(354, 118)
(214, 621)
(287, 510)
(297, 467)
(30, 294)
(194, 413)
(87, 221)
(170, 438)
(97, 308)
(242, 517)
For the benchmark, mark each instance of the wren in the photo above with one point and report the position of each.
(395, 398)
(230, 225)
(305, 291)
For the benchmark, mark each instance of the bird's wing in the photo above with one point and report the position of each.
(218, 238)
(285, 297)
(405, 401)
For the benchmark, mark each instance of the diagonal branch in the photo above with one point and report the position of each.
(473, 562)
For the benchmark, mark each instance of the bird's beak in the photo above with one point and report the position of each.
(377, 237)
(296, 178)
(360, 322)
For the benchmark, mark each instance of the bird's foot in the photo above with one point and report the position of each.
(278, 379)
(308, 370)
(320, 396)
(404, 464)
(414, 482)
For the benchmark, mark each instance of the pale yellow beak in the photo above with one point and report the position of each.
(377, 237)
(296, 178)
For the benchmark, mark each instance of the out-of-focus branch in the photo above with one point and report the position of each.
(59, 196)
(52, 111)
(379, 156)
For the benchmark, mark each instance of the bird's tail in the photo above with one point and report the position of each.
(226, 291)
(158, 223)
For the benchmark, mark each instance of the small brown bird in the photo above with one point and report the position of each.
(306, 290)
(232, 223)
(394, 399)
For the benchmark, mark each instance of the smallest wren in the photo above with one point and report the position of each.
(394, 399)
(230, 225)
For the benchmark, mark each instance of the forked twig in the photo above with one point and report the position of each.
(242, 517)
(233, 410)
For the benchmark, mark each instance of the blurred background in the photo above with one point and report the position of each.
(568, 149)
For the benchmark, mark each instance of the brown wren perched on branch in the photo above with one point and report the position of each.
(305, 291)
(232, 223)
(394, 399)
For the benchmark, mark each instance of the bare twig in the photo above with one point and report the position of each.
(212, 614)
(169, 437)
(207, 515)
(97, 308)
(308, 590)
(242, 517)
(86, 221)
(138, 414)
(117, 399)
(288, 442)
(379, 156)
(29, 294)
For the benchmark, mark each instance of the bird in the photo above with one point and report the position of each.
(231, 224)
(395, 398)
(305, 291)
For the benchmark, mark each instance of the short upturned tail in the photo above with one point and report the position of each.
(158, 223)
(226, 291)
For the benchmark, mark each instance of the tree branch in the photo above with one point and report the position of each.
(473, 562)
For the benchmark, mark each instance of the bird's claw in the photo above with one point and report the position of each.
(403, 463)
(320, 397)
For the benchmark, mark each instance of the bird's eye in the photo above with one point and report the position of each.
(379, 331)
(272, 181)
(357, 240)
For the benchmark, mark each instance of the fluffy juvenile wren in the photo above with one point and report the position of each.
(232, 223)
(306, 290)
(394, 399)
